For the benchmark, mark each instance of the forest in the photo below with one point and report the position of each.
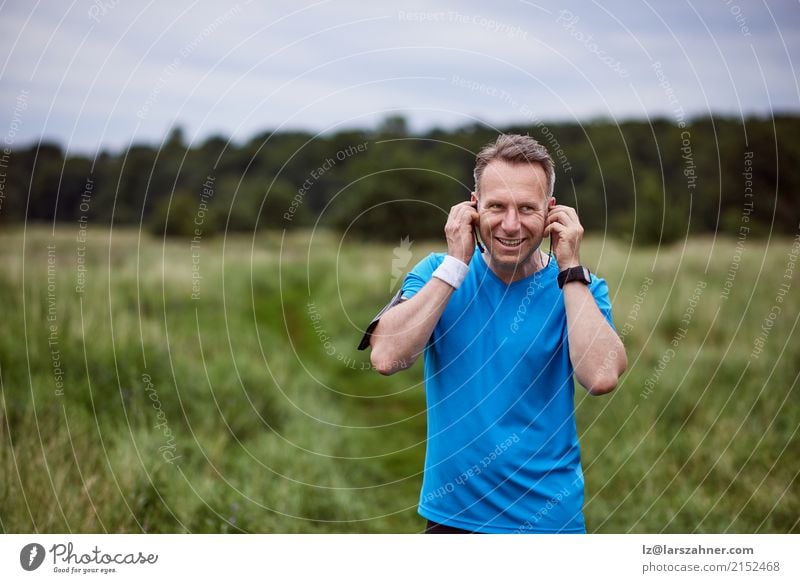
(647, 181)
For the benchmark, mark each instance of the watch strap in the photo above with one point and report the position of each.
(577, 273)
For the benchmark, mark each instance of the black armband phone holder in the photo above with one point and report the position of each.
(397, 299)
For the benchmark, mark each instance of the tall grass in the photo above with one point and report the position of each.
(248, 409)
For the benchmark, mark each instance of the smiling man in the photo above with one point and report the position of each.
(503, 333)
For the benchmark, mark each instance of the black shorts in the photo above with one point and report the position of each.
(436, 528)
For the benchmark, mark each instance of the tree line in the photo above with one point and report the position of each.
(652, 181)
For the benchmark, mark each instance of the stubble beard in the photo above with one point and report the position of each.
(515, 268)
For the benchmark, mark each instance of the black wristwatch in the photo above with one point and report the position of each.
(578, 273)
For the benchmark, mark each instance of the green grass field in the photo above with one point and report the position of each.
(143, 403)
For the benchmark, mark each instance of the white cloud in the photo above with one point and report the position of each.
(212, 67)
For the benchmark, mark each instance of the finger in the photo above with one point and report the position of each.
(560, 218)
(461, 205)
(570, 212)
(462, 213)
(463, 216)
(563, 209)
(468, 205)
(563, 216)
(554, 228)
(471, 213)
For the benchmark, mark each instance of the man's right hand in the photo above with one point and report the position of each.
(403, 331)
(459, 233)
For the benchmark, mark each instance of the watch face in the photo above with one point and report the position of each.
(586, 275)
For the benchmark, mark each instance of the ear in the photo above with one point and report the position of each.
(473, 197)
(552, 202)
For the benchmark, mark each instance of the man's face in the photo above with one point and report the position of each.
(512, 202)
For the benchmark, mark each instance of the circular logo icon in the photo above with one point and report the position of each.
(31, 556)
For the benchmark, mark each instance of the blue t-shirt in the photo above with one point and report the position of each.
(502, 452)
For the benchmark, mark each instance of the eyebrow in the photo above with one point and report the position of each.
(535, 204)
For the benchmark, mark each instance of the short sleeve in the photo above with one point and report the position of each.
(421, 274)
(599, 289)
(413, 282)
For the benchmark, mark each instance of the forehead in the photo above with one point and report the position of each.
(503, 179)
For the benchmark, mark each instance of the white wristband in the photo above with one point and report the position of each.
(452, 271)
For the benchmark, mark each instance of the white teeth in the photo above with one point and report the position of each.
(510, 242)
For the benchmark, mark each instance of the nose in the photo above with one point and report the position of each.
(510, 222)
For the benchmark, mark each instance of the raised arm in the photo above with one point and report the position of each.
(597, 353)
(403, 331)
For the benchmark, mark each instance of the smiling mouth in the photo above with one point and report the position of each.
(510, 242)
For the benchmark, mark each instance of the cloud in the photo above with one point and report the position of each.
(241, 68)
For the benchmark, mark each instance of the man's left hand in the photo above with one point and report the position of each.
(562, 221)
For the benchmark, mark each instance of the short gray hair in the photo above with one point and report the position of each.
(516, 149)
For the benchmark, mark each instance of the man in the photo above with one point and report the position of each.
(503, 332)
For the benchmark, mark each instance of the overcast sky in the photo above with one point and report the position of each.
(104, 73)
